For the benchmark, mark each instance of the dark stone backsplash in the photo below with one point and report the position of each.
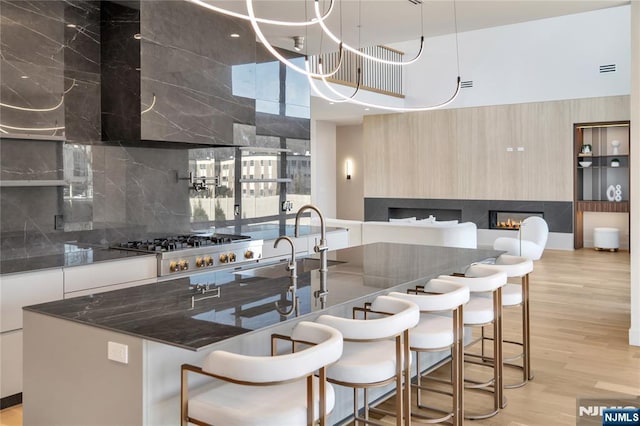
(117, 187)
(133, 193)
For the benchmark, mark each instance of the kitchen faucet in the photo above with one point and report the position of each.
(320, 247)
(293, 287)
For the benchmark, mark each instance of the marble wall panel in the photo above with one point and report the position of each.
(190, 73)
(32, 160)
(33, 32)
(282, 126)
(31, 71)
(154, 195)
(82, 39)
(120, 63)
(82, 72)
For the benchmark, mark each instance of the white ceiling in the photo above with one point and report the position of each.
(372, 22)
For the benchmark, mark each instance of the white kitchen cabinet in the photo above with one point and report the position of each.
(96, 290)
(23, 289)
(18, 290)
(30, 288)
(283, 251)
(106, 276)
(336, 239)
(11, 363)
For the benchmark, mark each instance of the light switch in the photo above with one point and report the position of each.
(118, 352)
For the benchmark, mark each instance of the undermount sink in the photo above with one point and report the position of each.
(279, 269)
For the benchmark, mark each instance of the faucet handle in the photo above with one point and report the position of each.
(321, 246)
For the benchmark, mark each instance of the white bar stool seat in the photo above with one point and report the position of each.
(267, 390)
(375, 352)
(481, 311)
(440, 328)
(433, 332)
(516, 295)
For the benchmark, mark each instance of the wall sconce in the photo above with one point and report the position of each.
(349, 168)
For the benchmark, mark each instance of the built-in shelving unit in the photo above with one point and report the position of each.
(32, 137)
(35, 182)
(266, 150)
(601, 173)
(276, 180)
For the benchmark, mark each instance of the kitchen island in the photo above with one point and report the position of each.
(69, 378)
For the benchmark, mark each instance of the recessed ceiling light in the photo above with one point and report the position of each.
(330, 103)
(367, 109)
(71, 25)
(137, 36)
(24, 76)
(234, 35)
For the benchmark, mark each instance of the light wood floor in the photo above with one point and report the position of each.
(580, 313)
(580, 323)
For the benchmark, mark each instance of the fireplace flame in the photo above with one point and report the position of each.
(510, 224)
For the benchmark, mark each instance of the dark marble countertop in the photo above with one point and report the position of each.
(71, 255)
(271, 231)
(176, 313)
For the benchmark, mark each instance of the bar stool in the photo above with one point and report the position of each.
(375, 352)
(516, 295)
(435, 333)
(481, 311)
(267, 390)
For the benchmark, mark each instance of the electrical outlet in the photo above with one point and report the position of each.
(509, 149)
(287, 206)
(236, 209)
(118, 352)
(58, 222)
(520, 148)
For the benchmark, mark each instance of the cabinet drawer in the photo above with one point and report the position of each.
(109, 288)
(108, 273)
(284, 249)
(30, 288)
(10, 363)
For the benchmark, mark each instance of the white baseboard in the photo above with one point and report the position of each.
(634, 336)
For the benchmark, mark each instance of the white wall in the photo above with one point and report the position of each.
(323, 166)
(634, 331)
(349, 146)
(548, 59)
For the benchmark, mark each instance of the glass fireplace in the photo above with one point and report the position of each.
(509, 219)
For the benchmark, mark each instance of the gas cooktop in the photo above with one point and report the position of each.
(185, 254)
(179, 242)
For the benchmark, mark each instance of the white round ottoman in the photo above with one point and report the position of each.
(606, 239)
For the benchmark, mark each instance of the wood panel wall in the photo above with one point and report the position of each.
(462, 153)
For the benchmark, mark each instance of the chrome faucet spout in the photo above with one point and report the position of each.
(323, 231)
(293, 287)
(320, 247)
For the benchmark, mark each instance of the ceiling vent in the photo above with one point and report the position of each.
(607, 68)
(466, 84)
(415, 1)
